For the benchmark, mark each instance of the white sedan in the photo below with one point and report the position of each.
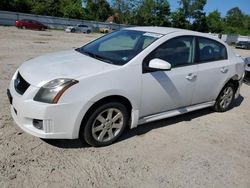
(123, 79)
(78, 29)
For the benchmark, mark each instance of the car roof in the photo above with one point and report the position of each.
(168, 30)
(159, 30)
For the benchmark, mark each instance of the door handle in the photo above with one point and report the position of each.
(224, 69)
(191, 76)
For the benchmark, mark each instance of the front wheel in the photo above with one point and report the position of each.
(105, 124)
(225, 98)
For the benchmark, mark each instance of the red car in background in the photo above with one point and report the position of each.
(30, 24)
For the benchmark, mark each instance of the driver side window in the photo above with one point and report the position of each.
(178, 51)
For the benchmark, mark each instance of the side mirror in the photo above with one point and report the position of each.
(159, 64)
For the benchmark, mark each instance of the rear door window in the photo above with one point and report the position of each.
(211, 50)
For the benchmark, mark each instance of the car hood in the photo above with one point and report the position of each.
(65, 64)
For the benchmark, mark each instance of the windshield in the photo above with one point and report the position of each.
(119, 47)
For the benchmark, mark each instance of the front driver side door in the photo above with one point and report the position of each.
(168, 90)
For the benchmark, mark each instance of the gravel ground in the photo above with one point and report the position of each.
(199, 149)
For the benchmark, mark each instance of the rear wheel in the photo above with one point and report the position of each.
(225, 98)
(88, 31)
(23, 27)
(105, 124)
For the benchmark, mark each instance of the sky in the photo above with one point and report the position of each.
(222, 5)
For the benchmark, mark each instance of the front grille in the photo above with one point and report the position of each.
(20, 84)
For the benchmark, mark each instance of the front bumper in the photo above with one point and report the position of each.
(59, 120)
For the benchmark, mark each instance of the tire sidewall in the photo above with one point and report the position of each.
(86, 132)
(217, 106)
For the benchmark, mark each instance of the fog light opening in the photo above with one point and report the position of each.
(38, 124)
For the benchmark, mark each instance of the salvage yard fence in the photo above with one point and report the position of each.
(8, 18)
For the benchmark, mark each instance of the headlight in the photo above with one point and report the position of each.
(53, 90)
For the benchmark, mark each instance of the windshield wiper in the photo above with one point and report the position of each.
(90, 54)
(103, 59)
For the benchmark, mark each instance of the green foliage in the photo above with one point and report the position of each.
(236, 22)
(5, 5)
(21, 5)
(234, 17)
(191, 14)
(147, 12)
(71, 9)
(214, 22)
(179, 20)
(46, 7)
(98, 10)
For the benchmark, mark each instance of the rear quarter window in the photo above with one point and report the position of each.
(211, 50)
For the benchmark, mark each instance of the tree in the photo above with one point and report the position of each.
(5, 5)
(192, 15)
(214, 22)
(161, 13)
(152, 12)
(98, 10)
(234, 17)
(21, 5)
(178, 20)
(72, 9)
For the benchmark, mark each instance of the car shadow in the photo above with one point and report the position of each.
(66, 143)
(147, 127)
(141, 129)
(237, 102)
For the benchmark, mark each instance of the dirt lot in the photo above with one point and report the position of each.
(200, 149)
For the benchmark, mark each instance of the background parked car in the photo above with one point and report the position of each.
(247, 72)
(105, 30)
(30, 24)
(243, 44)
(79, 28)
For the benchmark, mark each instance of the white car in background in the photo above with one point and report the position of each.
(123, 79)
(80, 28)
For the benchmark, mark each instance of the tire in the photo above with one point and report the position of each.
(23, 27)
(88, 31)
(105, 124)
(73, 30)
(225, 98)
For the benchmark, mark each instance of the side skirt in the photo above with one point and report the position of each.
(175, 112)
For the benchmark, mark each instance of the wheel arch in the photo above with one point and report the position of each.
(234, 80)
(133, 114)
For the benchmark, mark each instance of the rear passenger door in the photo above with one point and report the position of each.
(212, 71)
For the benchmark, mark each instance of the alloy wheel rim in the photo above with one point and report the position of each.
(107, 125)
(226, 97)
